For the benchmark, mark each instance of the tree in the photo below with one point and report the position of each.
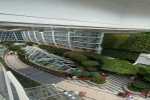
(75, 56)
(90, 63)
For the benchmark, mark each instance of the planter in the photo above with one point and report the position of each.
(99, 85)
(82, 78)
(130, 91)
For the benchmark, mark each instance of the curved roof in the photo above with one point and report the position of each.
(130, 14)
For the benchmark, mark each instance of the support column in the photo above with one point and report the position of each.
(36, 37)
(69, 43)
(25, 36)
(15, 36)
(29, 36)
(101, 40)
(53, 37)
(43, 38)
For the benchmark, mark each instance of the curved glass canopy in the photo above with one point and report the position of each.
(49, 61)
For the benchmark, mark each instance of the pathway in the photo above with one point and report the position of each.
(32, 73)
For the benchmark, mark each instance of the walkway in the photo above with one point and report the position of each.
(32, 73)
(92, 92)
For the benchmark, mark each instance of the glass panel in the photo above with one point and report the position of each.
(3, 87)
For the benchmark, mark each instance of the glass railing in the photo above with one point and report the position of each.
(3, 86)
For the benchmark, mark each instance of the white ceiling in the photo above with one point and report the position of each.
(90, 13)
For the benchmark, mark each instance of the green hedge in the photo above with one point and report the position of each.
(75, 56)
(120, 66)
(90, 63)
(132, 56)
(144, 73)
(141, 85)
(57, 51)
(93, 56)
(7, 43)
(14, 48)
(98, 80)
(127, 42)
(29, 43)
(147, 78)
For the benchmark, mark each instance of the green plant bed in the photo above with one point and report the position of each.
(7, 43)
(132, 88)
(120, 66)
(94, 56)
(141, 85)
(98, 80)
(57, 51)
(90, 63)
(75, 56)
(127, 42)
(126, 55)
(29, 43)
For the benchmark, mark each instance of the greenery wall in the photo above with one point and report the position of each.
(126, 55)
(132, 44)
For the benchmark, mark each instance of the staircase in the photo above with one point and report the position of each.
(116, 82)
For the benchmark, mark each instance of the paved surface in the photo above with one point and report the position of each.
(32, 73)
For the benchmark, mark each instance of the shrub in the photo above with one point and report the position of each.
(90, 63)
(29, 43)
(132, 88)
(42, 46)
(14, 48)
(85, 73)
(141, 85)
(93, 56)
(21, 51)
(94, 74)
(92, 69)
(7, 43)
(132, 56)
(57, 51)
(120, 66)
(144, 73)
(76, 73)
(75, 56)
(147, 78)
(98, 80)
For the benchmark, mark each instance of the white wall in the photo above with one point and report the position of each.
(97, 13)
